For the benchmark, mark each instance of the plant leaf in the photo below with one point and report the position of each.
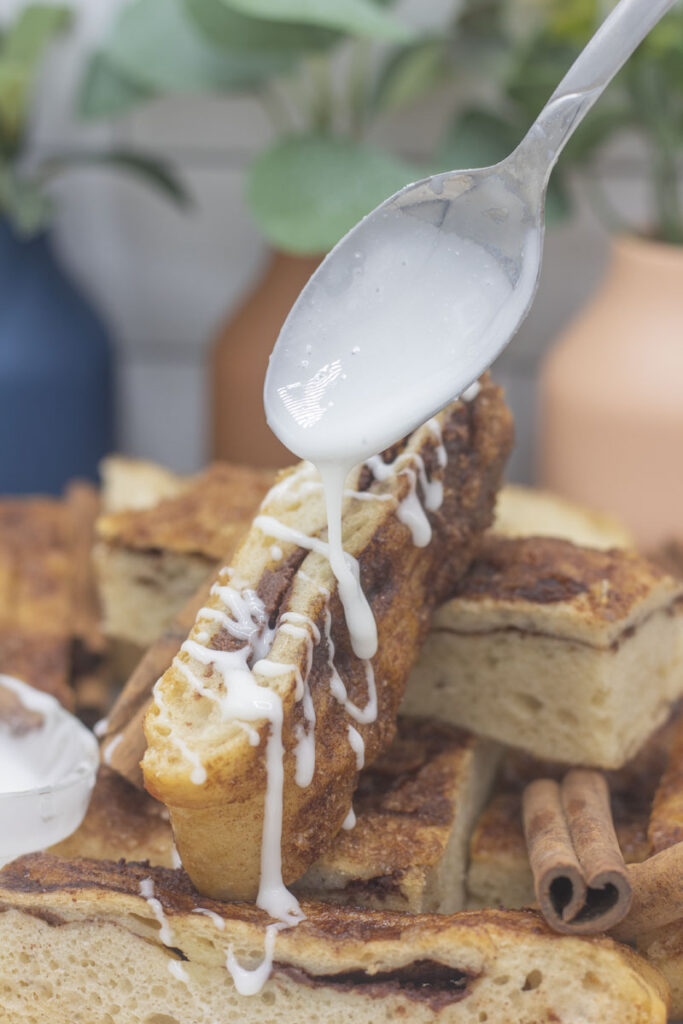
(34, 28)
(105, 92)
(150, 170)
(235, 31)
(411, 72)
(356, 17)
(308, 191)
(23, 45)
(157, 46)
(477, 138)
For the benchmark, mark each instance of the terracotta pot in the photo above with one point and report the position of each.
(611, 395)
(239, 360)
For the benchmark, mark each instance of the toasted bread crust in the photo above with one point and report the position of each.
(207, 518)
(603, 587)
(218, 824)
(48, 612)
(414, 967)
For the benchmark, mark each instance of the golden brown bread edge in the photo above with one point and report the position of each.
(462, 967)
(406, 851)
(218, 824)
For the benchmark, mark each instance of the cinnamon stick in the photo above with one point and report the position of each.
(124, 741)
(580, 879)
(657, 894)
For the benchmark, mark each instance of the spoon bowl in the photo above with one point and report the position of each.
(418, 299)
(454, 257)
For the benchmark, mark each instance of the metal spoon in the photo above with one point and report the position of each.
(324, 405)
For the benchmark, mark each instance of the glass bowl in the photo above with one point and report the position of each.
(47, 773)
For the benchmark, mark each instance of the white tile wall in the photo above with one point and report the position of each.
(164, 278)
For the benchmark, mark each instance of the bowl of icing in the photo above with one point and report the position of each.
(48, 765)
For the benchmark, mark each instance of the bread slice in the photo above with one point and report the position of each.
(122, 823)
(210, 769)
(129, 483)
(499, 874)
(49, 632)
(89, 942)
(579, 651)
(532, 512)
(415, 807)
(150, 560)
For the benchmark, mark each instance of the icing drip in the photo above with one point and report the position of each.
(358, 613)
(165, 933)
(441, 453)
(349, 821)
(178, 971)
(361, 715)
(410, 510)
(470, 393)
(245, 700)
(357, 744)
(110, 748)
(213, 916)
(412, 514)
(147, 892)
(100, 728)
(305, 745)
(359, 617)
(250, 981)
(175, 857)
(276, 553)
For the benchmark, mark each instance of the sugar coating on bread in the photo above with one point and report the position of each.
(80, 943)
(211, 768)
(546, 645)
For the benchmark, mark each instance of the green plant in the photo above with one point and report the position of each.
(327, 70)
(324, 71)
(526, 46)
(24, 198)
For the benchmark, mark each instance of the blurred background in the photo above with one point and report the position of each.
(171, 171)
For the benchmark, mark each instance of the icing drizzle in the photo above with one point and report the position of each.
(243, 700)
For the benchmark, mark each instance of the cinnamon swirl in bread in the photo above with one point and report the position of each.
(87, 942)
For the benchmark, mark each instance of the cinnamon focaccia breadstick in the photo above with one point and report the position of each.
(407, 851)
(84, 942)
(214, 758)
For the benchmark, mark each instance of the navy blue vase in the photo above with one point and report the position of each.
(56, 407)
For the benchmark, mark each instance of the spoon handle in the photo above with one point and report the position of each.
(595, 67)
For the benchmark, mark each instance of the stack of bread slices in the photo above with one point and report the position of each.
(394, 786)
